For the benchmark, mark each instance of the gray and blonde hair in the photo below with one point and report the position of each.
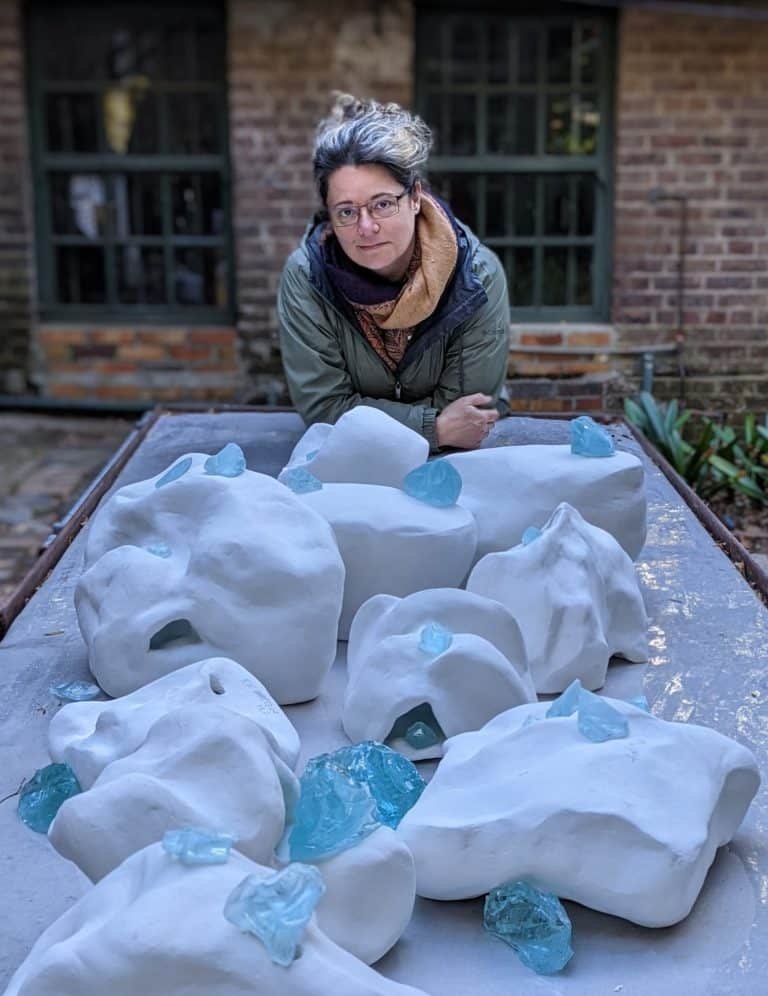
(365, 132)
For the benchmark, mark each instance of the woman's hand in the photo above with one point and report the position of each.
(464, 424)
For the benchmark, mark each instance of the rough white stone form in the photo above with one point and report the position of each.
(253, 574)
(365, 446)
(200, 766)
(156, 928)
(371, 889)
(628, 827)
(392, 543)
(509, 488)
(483, 672)
(90, 735)
(575, 594)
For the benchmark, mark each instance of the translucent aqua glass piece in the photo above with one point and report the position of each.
(641, 702)
(599, 720)
(228, 462)
(75, 691)
(277, 909)
(437, 483)
(196, 846)
(334, 812)
(177, 470)
(434, 639)
(531, 533)
(567, 703)
(420, 735)
(533, 923)
(590, 439)
(391, 778)
(159, 550)
(300, 481)
(311, 455)
(45, 792)
(421, 714)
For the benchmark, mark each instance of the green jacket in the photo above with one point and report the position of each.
(330, 367)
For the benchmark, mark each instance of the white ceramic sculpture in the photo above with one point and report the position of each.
(365, 446)
(483, 672)
(509, 488)
(241, 569)
(200, 766)
(628, 827)
(155, 927)
(90, 735)
(575, 594)
(392, 543)
(371, 889)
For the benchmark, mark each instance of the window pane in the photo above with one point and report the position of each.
(587, 121)
(72, 122)
(560, 139)
(521, 278)
(525, 204)
(528, 55)
(585, 218)
(461, 137)
(80, 275)
(197, 204)
(497, 190)
(588, 52)
(193, 123)
(583, 276)
(460, 191)
(557, 205)
(497, 44)
(140, 275)
(512, 125)
(200, 278)
(465, 51)
(78, 204)
(137, 207)
(559, 48)
(554, 281)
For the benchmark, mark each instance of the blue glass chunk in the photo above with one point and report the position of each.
(47, 790)
(533, 923)
(196, 846)
(334, 812)
(393, 780)
(434, 639)
(599, 720)
(590, 439)
(311, 455)
(420, 735)
(641, 702)
(228, 462)
(177, 470)
(531, 533)
(300, 481)
(159, 550)
(437, 483)
(75, 691)
(567, 703)
(277, 909)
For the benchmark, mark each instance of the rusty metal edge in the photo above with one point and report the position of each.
(45, 563)
(755, 576)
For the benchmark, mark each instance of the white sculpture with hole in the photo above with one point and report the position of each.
(575, 594)
(469, 665)
(628, 826)
(155, 927)
(200, 766)
(344, 453)
(509, 488)
(192, 564)
(90, 735)
(392, 543)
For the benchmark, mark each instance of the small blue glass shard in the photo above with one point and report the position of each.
(45, 792)
(392, 779)
(277, 909)
(590, 439)
(75, 691)
(599, 720)
(196, 846)
(533, 923)
(641, 702)
(159, 550)
(531, 533)
(311, 455)
(434, 639)
(300, 481)
(436, 483)
(334, 812)
(567, 703)
(228, 462)
(420, 735)
(177, 470)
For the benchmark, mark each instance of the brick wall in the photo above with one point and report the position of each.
(693, 118)
(285, 58)
(15, 217)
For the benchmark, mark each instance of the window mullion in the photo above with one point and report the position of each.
(168, 247)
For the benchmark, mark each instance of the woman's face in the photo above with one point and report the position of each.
(383, 245)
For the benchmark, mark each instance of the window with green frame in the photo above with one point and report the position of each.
(129, 150)
(520, 105)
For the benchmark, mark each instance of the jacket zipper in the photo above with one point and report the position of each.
(398, 390)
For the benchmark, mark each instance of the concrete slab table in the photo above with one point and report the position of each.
(709, 652)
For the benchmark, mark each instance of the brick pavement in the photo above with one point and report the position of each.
(46, 462)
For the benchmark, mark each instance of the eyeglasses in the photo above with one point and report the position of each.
(383, 206)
